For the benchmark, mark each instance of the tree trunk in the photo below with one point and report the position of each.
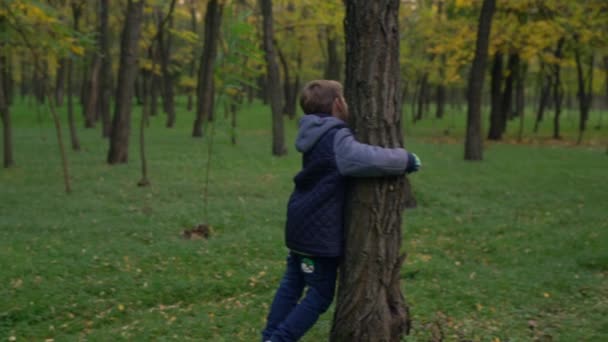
(440, 101)
(39, 82)
(370, 304)
(205, 90)
(544, 96)
(60, 81)
(496, 114)
(520, 98)
(193, 63)
(23, 86)
(507, 100)
(333, 65)
(274, 84)
(127, 72)
(585, 90)
(5, 115)
(71, 123)
(164, 49)
(422, 97)
(90, 116)
(473, 142)
(290, 88)
(558, 91)
(105, 72)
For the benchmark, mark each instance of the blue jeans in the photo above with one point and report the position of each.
(289, 320)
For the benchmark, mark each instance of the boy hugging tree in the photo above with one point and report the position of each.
(314, 232)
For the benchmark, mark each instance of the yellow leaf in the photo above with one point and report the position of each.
(121, 307)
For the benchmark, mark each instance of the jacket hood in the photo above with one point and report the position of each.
(312, 127)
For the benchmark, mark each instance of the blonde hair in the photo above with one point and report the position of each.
(318, 96)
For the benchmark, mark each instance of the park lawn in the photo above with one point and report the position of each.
(513, 248)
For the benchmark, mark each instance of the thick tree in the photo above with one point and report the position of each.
(105, 72)
(473, 141)
(370, 304)
(127, 71)
(274, 83)
(205, 90)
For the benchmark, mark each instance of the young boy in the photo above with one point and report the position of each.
(314, 229)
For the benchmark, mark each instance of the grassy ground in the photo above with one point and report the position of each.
(513, 248)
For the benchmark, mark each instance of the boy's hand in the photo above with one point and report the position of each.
(413, 163)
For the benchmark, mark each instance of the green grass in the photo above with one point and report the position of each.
(494, 247)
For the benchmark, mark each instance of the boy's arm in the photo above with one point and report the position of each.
(362, 160)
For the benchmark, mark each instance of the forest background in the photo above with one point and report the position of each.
(511, 248)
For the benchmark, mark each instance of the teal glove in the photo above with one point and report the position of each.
(413, 163)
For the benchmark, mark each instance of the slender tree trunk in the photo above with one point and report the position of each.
(544, 96)
(370, 305)
(76, 11)
(60, 81)
(507, 100)
(422, 95)
(39, 82)
(473, 142)
(23, 87)
(90, 116)
(205, 91)
(127, 72)
(290, 88)
(274, 85)
(105, 72)
(558, 91)
(193, 63)
(164, 49)
(5, 115)
(520, 98)
(585, 91)
(496, 114)
(333, 65)
(71, 123)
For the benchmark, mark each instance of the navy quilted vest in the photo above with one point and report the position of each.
(315, 216)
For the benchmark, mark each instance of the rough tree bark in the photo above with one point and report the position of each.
(205, 90)
(473, 141)
(370, 304)
(127, 72)
(274, 83)
(497, 117)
